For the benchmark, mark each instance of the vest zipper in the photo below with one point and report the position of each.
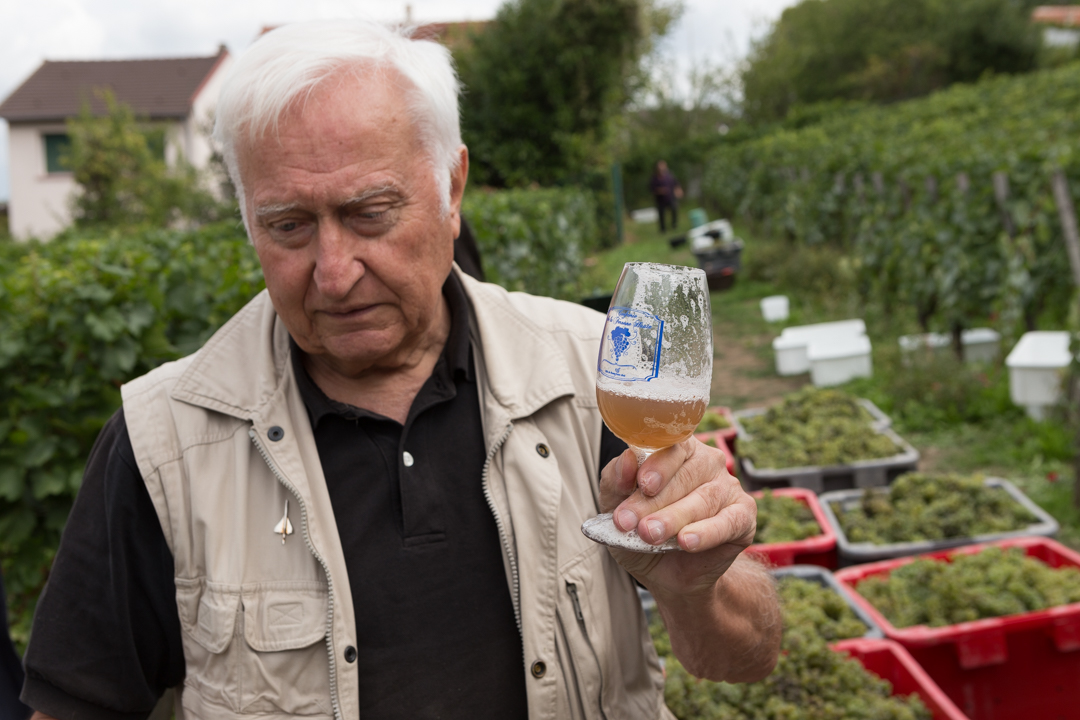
(571, 588)
(326, 569)
(514, 581)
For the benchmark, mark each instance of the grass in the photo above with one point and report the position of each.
(960, 417)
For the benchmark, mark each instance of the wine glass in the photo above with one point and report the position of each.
(654, 370)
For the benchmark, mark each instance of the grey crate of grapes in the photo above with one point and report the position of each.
(879, 419)
(824, 578)
(820, 479)
(855, 553)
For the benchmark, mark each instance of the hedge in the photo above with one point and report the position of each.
(80, 316)
(534, 240)
(944, 202)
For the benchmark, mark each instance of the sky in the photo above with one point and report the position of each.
(714, 31)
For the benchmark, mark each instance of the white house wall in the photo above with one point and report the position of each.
(198, 124)
(38, 207)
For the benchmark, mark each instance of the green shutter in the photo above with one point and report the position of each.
(56, 146)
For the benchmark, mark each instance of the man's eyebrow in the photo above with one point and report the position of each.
(274, 209)
(267, 210)
(373, 192)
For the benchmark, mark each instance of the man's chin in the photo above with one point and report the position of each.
(359, 351)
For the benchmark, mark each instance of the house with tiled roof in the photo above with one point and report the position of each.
(175, 94)
(1061, 24)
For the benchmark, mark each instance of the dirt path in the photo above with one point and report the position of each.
(742, 377)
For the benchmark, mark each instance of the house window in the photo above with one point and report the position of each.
(56, 147)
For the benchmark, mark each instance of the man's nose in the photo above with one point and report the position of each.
(338, 266)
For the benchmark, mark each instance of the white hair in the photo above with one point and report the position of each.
(288, 63)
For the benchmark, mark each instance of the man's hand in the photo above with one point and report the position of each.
(724, 627)
(684, 490)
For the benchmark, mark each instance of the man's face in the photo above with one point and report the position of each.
(346, 218)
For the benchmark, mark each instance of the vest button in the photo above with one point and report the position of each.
(538, 669)
(275, 433)
(350, 654)
(543, 451)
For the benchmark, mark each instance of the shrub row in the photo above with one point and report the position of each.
(79, 317)
(534, 240)
(909, 189)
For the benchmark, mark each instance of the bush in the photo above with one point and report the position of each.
(534, 240)
(927, 390)
(79, 317)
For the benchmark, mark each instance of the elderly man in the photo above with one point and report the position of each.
(362, 497)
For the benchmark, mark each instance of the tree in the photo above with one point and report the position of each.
(883, 50)
(545, 80)
(118, 163)
(676, 121)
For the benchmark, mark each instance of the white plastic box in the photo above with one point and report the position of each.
(927, 341)
(835, 360)
(1036, 366)
(981, 345)
(645, 215)
(790, 347)
(775, 308)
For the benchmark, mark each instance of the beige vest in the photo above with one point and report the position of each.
(223, 441)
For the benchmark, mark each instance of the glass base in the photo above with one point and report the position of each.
(602, 529)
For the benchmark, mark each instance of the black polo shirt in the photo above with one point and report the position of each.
(436, 634)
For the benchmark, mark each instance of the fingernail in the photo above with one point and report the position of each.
(650, 482)
(655, 529)
(628, 519)
(691, 541)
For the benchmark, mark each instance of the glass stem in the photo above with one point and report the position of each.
(640, 454)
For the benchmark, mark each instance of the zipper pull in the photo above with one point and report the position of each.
(572, 589)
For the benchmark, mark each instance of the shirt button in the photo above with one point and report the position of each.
(407, 458)
(538, 669)
(350, 654)
(542, 450)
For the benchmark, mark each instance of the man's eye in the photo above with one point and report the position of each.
(287, 226)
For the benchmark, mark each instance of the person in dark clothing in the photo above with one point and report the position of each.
(667, 192)
(11, 671)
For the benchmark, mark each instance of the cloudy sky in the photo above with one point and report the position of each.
(35, 30)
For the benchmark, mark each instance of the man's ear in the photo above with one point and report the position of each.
(458, 177)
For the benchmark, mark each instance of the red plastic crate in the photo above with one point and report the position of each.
(717, 436)
(1016, 666)
(890, 661)
(817, 550)
(730, 433)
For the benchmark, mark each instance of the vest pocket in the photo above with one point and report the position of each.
(284, 616)
(285, 668)
(585, 679)
(255, 649)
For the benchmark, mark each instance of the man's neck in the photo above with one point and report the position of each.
(387, 391)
